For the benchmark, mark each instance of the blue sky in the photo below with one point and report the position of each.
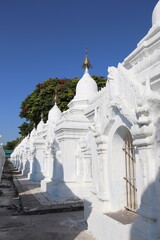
(48, 38)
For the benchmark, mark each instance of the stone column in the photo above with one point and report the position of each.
(31, 157)
(87, 167)
(101, 142)
(87, 160)
(26, 164)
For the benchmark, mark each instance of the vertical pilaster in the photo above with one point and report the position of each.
(101, 142)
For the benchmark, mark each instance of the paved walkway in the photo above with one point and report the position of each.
(34, 200)
(26, 212)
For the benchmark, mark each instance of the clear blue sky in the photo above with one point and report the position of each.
(48, 38)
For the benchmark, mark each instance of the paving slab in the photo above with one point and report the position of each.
(54, 226)
(123, 216)
(34, 200)
(15, 225)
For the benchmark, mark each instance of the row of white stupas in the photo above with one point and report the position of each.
(106, 147)
(2, 159)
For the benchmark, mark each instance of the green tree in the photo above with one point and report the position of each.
(25, 128)
(12, 144)
(41, 100)
(101, 81)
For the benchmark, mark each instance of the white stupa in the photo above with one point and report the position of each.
(86, 88)
(54, 114)
(33, 133)
(40, 126)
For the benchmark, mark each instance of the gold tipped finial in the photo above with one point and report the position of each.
(86, 62)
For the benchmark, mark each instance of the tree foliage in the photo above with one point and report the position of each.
(12, 144)
(41, 100)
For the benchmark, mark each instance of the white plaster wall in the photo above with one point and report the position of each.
(38, 164)
(93, 149)
(139, 177)
(68, 149)
(104, 227)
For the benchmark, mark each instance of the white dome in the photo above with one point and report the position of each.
(33, 132)
(54, 114)
(156, 14)
(40, 126)
(86, 87)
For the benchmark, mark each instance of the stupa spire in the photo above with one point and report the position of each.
(86, 62)
(55, 113)
(55, 97)
(42, 116)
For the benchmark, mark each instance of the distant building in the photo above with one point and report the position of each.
(8, 153)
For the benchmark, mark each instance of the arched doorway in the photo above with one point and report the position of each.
(130, 173)
(123, 171)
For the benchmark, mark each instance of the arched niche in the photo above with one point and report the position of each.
(122, 170)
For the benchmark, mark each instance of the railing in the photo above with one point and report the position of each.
(130, 178)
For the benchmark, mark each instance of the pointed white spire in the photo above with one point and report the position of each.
(33, 132)
(40, 125)
(86, 70)
(85, 90)
(54, 114)
(86, 87)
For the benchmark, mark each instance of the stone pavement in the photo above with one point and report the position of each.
(34, 200)
(39, 218)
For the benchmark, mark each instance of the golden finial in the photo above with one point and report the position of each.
(86, 62)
